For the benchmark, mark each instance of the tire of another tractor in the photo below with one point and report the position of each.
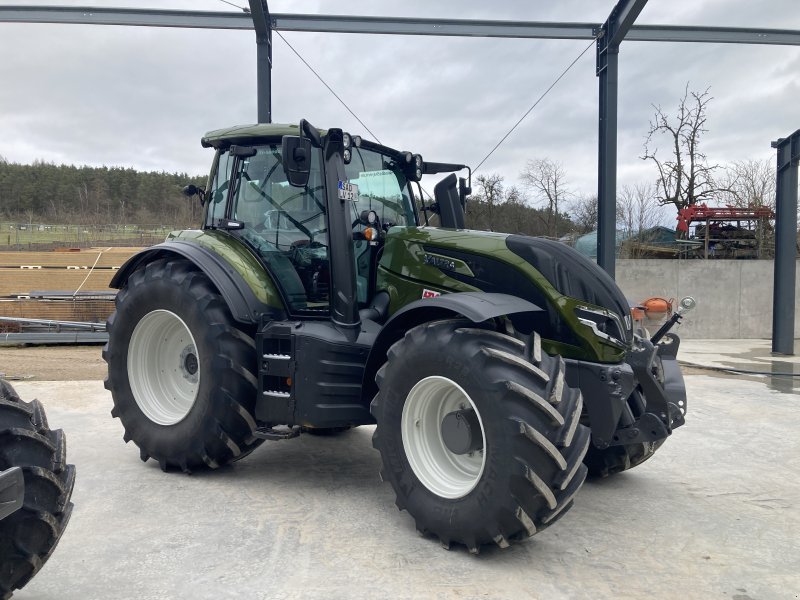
(29, 535)
(183, 376)
(526, 418)
(616, 459)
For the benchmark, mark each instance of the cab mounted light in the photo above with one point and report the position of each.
(418, 167)
(347, 148)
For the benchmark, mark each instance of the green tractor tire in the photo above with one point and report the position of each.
(510, 461)
(29, 535)
(183, 376)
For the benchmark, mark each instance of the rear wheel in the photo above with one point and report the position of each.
(29, 535)
(182, 374)
(479, 433)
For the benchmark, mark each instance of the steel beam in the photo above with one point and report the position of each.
(609, 37)
(783, 300)
(259, 11)
(77, 15)
(607, 73)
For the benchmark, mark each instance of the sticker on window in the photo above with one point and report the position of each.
(430, 294)
(348, 191)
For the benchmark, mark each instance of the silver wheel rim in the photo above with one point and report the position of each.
(163, 367)
(443, 472)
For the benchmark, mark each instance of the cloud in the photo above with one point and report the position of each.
(143, 97)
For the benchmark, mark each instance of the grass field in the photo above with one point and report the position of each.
(19, 236)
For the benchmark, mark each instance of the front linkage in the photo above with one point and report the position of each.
(633, 405)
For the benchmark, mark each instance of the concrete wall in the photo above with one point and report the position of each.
(734, 297)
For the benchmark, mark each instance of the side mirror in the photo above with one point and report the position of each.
(192, 190)
(296, 158)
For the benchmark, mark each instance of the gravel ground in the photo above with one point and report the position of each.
(52, 363)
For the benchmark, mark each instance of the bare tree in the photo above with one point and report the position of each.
(483, 205)
(750, 183)
(638, 211)
(547, 180)
(685, 177)
(583, 210)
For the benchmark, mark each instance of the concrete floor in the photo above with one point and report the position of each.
(713, 515)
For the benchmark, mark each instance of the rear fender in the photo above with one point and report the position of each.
(245, 307)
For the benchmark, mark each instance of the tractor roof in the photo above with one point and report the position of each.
(249, 134)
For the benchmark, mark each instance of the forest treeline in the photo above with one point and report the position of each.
(48, 193)
(66, 194)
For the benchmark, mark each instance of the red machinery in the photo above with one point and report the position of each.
(727, 232)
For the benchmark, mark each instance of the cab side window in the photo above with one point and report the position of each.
(218, 192)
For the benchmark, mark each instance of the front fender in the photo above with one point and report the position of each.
(475, 306)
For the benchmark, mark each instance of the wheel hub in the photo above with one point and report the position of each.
(461, 432)
(189, 363)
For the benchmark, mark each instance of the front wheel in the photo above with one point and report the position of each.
(479, 433)
(182, 375)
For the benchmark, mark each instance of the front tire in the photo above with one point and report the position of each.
(182, 374)
(29, 535)
(523, 472)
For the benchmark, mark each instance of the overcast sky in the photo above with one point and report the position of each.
(142, 97)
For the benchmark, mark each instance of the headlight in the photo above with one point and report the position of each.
(418, 161)
(604, 324)
(347, 141)
(347, 155)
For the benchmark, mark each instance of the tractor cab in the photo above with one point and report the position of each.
(309, 202)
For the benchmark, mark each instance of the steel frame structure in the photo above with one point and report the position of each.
(783, 299)
(619, 26)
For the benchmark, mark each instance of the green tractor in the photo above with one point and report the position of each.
(316, 297)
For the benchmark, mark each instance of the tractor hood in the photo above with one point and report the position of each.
(572, 274)
(576, 295)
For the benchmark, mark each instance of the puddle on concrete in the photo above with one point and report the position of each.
(782, 376)
(778, 372)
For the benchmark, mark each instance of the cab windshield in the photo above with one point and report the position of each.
(382, 187)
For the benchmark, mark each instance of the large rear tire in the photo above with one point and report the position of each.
(182, 374)
(526, 420)
(29, 535)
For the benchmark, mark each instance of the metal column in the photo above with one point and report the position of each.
(609, 37)
(783, 301)
(262, 21)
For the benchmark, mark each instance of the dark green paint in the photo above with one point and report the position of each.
(404, 275)
(239, 258)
